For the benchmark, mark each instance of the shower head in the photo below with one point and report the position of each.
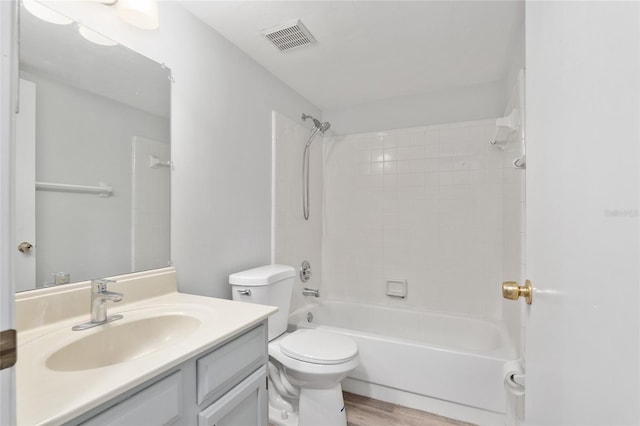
(322, 127)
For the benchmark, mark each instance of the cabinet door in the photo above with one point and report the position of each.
(244, 405)
(158, 405)
(223, 369)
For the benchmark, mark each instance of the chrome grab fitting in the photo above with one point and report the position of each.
(244, 292)
(99, 298)
(305, 271)
(311, 292)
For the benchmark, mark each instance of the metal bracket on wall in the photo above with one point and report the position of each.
(8, 349)
(305, 271)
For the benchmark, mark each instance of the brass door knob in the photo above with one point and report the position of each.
(512, 291)
(24, 247)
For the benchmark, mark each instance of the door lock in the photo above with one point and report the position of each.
(24, 247)
(512, 291)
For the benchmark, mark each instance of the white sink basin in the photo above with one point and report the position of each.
(118, 342)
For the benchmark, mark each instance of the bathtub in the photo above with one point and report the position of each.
(445, 364)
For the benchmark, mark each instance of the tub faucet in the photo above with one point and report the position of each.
(99, 298)
(311, 292)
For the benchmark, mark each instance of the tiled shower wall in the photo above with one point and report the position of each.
(423, 204)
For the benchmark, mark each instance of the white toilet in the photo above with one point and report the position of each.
(305, 366)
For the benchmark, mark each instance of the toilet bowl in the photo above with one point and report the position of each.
(306, 366)
(313, 363)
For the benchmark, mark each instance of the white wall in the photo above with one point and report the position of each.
(151, 205)
(85, 139)
(516, 55)
(422, 204)
(295, 239)
(220, 138)
(447, 106)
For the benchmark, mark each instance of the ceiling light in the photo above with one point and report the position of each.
(44, 13)
(139, 13)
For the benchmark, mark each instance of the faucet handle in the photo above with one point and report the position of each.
(100, 285)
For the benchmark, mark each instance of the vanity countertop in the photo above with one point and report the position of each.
(47, 396)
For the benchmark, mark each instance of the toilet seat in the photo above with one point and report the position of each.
(318, 347)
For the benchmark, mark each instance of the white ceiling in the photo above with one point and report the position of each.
(372, 50)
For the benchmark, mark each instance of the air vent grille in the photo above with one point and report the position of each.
(289, 36)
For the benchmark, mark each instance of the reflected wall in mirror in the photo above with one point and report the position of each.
(92, 180)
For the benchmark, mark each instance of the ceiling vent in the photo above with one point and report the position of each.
(289, 36)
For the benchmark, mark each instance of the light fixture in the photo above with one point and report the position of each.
(95, 37)
(44, 13)
(139, 13)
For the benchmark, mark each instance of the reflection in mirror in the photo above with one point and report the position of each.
(92, 181)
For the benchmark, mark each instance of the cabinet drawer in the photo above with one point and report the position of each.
(227, 366)
(159, 404)
(244, 405)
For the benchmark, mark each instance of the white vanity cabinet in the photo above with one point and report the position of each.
(224, 386)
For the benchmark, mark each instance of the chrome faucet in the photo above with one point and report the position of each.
(311, 292)
(99, 298)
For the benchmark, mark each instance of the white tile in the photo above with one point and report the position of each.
(410, 152)
(432, 164)
(391, 154)
(494, 159)
(431, 192)
(377, 155)
(432, 137)
(364, 142)
(432, 179)
(404, 166)
(438, 213)
(390, 167)
(446, 164)
(463, 192)
(389, 181)
(417, 166)
(364, 168)
(364, 156)
(446, 192)
(413, 179)
(417, 138)
(377, 142)
(404, 139)
(447, 178)
(390, 141)
(463, 177)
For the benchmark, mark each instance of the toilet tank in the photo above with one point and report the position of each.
(266, 285)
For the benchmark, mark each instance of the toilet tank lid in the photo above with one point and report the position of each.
(263, 275)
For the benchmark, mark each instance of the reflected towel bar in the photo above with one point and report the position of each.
(103, 190)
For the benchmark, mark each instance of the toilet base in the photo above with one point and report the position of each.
(276, 417)
(316, 407)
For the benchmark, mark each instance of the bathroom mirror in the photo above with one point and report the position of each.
(92, 183)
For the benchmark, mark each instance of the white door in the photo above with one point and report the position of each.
(24, 206)
(582, 330)
(8, 75)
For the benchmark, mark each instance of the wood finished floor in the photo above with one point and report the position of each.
(363, 411)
